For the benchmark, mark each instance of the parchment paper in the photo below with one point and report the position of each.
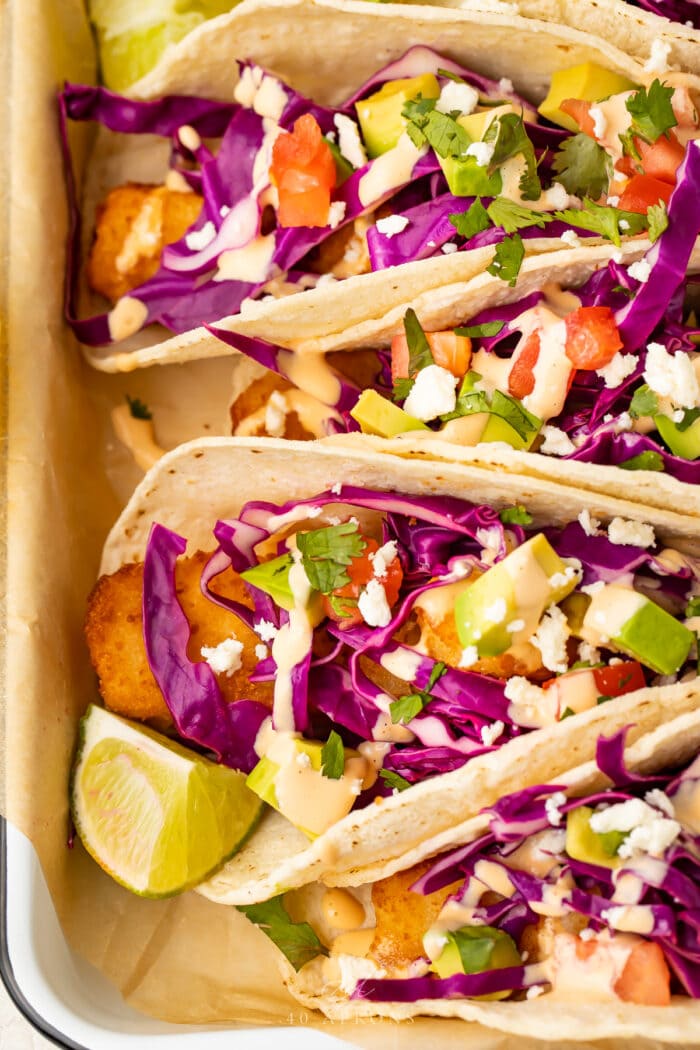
(183, 960)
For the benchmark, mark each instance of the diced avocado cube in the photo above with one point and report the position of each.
(466, 178)
(485, 609)
(498, 429)
(588, 846)
(685, 443)
(656, 639)
(589, 82)
(378, 415)
(380, 116)
(524, 423)
(476, 124)
(272, 577)
(476, 949)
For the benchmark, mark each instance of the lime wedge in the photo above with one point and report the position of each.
(133, 34)
(157, 817)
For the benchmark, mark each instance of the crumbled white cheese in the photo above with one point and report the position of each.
(631, 533)
(495, 613)
(600, 123)
(303, 760)
(456, 96)
(522, 691)
(432, 395)
(623, 422)
(613, 201)
(514, 626)
(672, 376)
(482, 152)
(265, 630)
(336, 213)
(337, 488)
(587, 653)
(349, 140)
(491, 733)
(571, 238)
(678, 416)
(469, 656)
(615, 373)
(660, 800)
(588, 523)
(224, 210)
(261, 651)
(373, 605)
(551, 637)
(593, 588)
(383, 558)
(354, 968)
(551, 808)
(648, 831)
(391, 225)
(588, 934)
(224, 658)
(276, 414)
(534, 991)
(196, 240)
(506, 86)
(562, 579)
(658, 56)
(556, 197)
(624, 225)
(640, 270)
(448, 248)
(556, 442)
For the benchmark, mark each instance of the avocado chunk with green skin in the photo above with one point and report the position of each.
(588, 846)
(684, 443)
(656, 639)
(380, 116)
(466, 178)
(377, 415)
(588, 82)
(476, 949)
(272, 577)
(498, 429)
(485, 609)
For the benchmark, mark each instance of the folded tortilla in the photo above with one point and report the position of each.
(326, 984)
(365, 37)
(206, 480)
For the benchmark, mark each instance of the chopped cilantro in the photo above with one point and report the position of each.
(325, 553)
(469, 223)
(657, 217)
(644, 461)
(516, 515)
(419, 354)
(436, 674)
(522, 421)
(394, 780)
(566, 713)
(510, 253)
(512, 217)
(439, 130)
(602, 219)
(583, 167)
(689, 417)
(603, 699)
(644, 402)
(509, 138)
(468, 404)
(333, 757)
(652, 112)
(407, 707)
(479, 331)
(296, 940)
(138, 408)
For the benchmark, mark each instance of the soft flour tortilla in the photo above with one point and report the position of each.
(344, 42)
(550, 1016)
(208, 479)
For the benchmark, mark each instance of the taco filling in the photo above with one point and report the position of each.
(273, 193)
(348, 646)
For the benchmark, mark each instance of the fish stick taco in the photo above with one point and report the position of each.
(210, 193)
(567, 910)
(378, 655)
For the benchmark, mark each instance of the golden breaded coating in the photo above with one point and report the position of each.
(248, 410)
(133, 224)
(115, 639)
(344, 253)
(403, 917)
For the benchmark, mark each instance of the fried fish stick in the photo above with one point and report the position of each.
(403, 917)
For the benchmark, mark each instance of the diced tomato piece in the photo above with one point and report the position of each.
(303, 170)
(450, 351)
(619, 678)
(361, 570)
(592, 338)
(579, 111)
(642, 191)
(646, 978)
(662, 158)
(521, 378)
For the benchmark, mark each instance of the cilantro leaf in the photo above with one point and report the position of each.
(522, 421)
(468, 404)
(333, 757)
(644, 461)
(394, 780)
(583, 167)
(509, 138)
(657, 217)
(469, 223)
(436, 674)
(644, 402)
(408, 707)
(693, 606)
(516, 515)
(402, 388)
(326, 552)
(689, 417)
(566, 713)
(478, 331)
(602, 219)
(510, 253)
(439, 130)
(296, 940)
(651, 111)
(138, 409)
(512, 217)
(419, 355)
